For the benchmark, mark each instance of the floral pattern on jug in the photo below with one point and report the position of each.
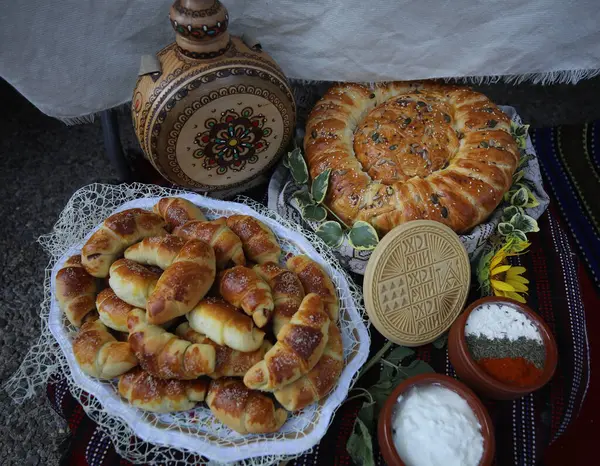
(233, 141)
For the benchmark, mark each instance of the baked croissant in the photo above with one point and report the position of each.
(163, 354)
(224, 325)
(315, 280)
(99, 354)
(298, 349)
(190, 270)
(286, 289)
(260, 244)
(112, 310)
(320, 380)
(75, 291)
(243, 410)
(242, 287)
(176, 211)
(132, 282)
(161, 396)
(227, 245)
(229, 362)
(118, 231)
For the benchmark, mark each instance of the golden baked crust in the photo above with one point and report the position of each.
(409, 150)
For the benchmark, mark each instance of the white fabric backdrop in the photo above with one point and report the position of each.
(72, 58)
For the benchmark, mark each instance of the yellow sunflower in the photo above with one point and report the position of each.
(506, 279)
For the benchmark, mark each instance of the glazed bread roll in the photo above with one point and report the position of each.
(223, 324)
(242, 287)
(132, 282)
(161, 396)
(160, 251)
(184, 282)
(227, 245)
(176, 211)
(112, 310)
(315, 280)
(75, 291)
(320, 380)
(229, 362)
(163, 354)
(118, 231)
(243, 410)
(260, 244)
(99, 354)
(286, 289)
(299, 347)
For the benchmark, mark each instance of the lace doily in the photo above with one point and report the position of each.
(194, 436)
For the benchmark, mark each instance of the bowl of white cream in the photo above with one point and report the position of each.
(433, 419)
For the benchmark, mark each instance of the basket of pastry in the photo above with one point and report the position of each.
(205, 326)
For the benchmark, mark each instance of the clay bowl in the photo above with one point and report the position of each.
(475, 377)
(384, 428)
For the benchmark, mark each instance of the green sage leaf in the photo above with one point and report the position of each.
(367, 415)
(519, 235)
(520, 197)
(331, 232)
(314, 213)
(320, 185)
(524, 223)
(441, 341)
(510, 212)
(363, 236)
(298, 167)
(303, 199)
(505, 228)
(360, 445)
(398, 354)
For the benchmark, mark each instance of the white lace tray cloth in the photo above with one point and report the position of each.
(197, 430)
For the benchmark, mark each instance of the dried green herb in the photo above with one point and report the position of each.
(407, 121)
(435, 198)
(492, 123)
(372, 96)
(393, 147)
(447, 118)
(482, 347)
(420, 103)
(376, 137)
(313, 134)
(444, 212)
(484, 144)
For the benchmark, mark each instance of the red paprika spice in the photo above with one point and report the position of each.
(514, 371)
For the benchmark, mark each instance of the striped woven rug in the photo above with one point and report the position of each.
(570, 161)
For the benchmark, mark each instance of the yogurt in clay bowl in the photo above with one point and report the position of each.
(433, 419)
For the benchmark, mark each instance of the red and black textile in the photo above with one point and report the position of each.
(524, 428)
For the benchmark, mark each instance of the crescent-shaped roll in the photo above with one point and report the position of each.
(227, 245)
(321, 378)
(118, 231)
(299, 347)
(402, 151)
(225, 325)
(260, 244)
(176, 211)
(243, 288)
(188, 276)
(132, 282)
(159, 251)
(315, 280)
(165, 355)
(229, 362)
(75, 291)
(112, 310)
(287, 292)
(150, 393)
(243, 410)
(99, 354)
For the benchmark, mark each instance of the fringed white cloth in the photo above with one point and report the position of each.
(75, 58)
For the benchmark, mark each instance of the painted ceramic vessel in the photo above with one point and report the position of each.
(219, 112)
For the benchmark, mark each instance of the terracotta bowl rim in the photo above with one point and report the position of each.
(384, 427)
(547, 337)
